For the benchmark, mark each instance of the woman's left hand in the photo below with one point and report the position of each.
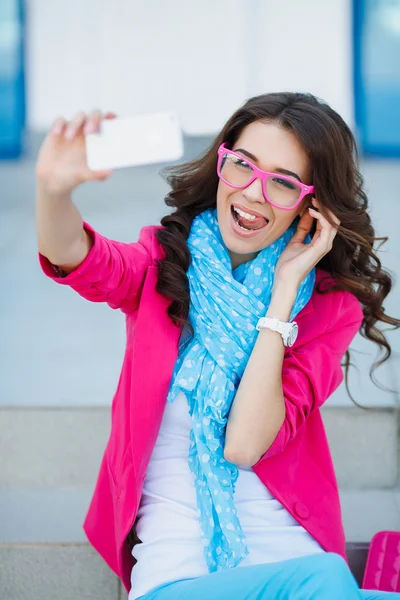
(298, 258)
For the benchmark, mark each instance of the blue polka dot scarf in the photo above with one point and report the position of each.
(225, 306)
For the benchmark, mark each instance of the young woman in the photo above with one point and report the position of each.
(217, 479)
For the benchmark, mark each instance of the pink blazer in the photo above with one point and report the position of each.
(297, 468)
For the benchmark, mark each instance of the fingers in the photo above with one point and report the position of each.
(326, 232)
(93, 122)
(74, 126)
(334, 218)
(100, 175)
(58, 126)
(88, 123)
(303, 228)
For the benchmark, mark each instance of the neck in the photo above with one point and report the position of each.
(240, 259)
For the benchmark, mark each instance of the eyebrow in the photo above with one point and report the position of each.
(277, 170)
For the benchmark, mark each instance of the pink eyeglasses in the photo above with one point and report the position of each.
(279, 190)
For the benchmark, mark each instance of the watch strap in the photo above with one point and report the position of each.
(274, 324)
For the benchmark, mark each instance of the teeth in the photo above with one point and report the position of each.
(243, 214)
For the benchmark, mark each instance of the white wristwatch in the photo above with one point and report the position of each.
(288, 331)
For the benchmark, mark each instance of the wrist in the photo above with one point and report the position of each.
(283, 287)
(284, 292)
(282, 301)
(47, 192)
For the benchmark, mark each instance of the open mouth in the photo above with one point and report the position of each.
(247, 222)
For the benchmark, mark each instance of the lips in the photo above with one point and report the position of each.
(249, 211)
(245, 233)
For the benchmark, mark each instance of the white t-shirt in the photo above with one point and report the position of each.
(168, 522)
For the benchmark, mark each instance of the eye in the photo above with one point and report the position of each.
(238, 161)
(285, 183)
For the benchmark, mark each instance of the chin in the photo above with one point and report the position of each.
(241, 250)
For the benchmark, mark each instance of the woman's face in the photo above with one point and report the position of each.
(270, 147)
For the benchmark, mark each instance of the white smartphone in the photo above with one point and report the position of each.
(133, 141)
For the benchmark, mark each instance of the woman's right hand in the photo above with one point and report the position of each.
(62, 163)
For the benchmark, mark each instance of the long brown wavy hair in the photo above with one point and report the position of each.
(332, 152)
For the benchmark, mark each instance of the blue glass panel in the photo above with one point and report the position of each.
(377, 75)
(12, 78)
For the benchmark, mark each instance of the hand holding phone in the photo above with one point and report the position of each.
(89, 147)
(62, 165)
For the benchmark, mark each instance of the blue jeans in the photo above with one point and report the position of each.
(323, 576)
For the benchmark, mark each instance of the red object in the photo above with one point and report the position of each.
(382, 571)
(297, 469)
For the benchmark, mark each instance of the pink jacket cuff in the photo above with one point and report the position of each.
(80, 272)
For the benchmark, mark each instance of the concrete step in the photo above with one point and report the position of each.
(365, 512)
(43, 515)
(74, 571)
(61, 448)
(55, 572)
(49, 459)
(57, 516)
(365, 446)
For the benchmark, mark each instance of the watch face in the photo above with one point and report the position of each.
(292, 337)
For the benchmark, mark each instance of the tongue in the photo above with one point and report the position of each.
(257, 223)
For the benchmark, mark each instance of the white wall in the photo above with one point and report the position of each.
(201, 58)
(307, 47)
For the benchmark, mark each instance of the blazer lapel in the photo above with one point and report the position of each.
(155, 354)
(308, 309)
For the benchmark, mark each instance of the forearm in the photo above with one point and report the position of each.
(258, 409)
(59, 229)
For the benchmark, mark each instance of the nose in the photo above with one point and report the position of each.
(254, 192)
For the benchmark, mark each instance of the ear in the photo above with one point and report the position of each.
(305, 207)
(304, 210)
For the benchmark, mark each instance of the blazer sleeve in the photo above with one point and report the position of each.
(312, 371)
(112, 272)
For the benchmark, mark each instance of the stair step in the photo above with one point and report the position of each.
(62, 447)
(55, 571)
(69, 571)
(54, 516)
